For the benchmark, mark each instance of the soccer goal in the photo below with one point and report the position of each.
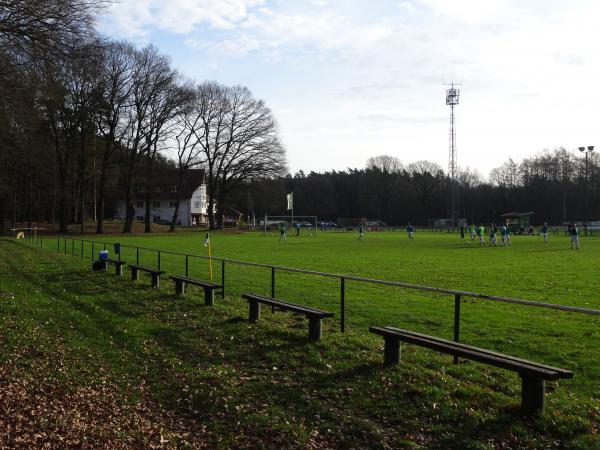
(26, 233)
(306, 224)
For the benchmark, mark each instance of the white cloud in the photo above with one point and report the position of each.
(135, 19)
(528, 67)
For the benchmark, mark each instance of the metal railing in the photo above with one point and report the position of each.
(63, 247)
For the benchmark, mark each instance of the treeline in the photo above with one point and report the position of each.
(83, 119)
(552, 184)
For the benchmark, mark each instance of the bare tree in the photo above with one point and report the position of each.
(239, 140)
(45, 28)
(117, 84)
(189, 152)
(385, 164)
(151, 74)
(170, 99)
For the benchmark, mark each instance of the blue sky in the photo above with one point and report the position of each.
(347, 80)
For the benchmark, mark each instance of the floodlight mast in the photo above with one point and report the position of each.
(452, 97)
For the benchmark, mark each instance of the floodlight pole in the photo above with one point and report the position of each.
(589, 149)
(452, 99)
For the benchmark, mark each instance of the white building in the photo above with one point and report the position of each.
(163, 198)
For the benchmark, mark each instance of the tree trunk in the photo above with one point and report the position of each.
(147, 218)
(176, 212)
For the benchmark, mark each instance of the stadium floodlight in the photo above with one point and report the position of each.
(590, 149)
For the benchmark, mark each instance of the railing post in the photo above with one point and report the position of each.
(41, 241)
(73, 247)
(92, 255)
(272, 282)
(159, 260)
(343, 303)
(58, 245)
(65, 246)
(223, 279)
(137, 256)
(82, 249)
(456, 322)
(187, 265)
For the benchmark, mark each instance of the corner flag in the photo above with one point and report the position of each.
(290, 200)
(207, 244)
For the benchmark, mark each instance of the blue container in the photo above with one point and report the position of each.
(103, 255)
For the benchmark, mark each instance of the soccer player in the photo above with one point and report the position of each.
(493, 230)
(481, 233)
(472, 231)
(544, 231)
(410, 231)
(462, 231)
(574, 232)
(298, 228)
(506, 236)
(282, 233)
(361, 232)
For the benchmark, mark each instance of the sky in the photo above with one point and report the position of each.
(351, 79)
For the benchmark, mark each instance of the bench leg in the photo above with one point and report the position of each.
(179, 288)
(391, 351)
(119, 270)
(155, 280)
(209, 296)
(254, 311)
(314, 328)
(135, 276)
(532, 395)
(105, 265)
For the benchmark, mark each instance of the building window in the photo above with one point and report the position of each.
(138, 188)
(172, 204)
(196, 204)
(156, 204)
(174, 188)
(139, 204)
(140, 218)
(156, 219)
(158, 189)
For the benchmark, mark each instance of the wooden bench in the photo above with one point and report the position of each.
(533, 375)
(314, 315)
(118, 265)
(154, 273)
(209, 288)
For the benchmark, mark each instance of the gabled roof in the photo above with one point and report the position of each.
(165, 179)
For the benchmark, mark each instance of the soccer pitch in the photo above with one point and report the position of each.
(529, 269)
(424, 402)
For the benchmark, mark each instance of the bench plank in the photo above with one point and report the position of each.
(475, 353)
(117, 263)
(315, 316)
(533, 375)
(209, 287)
(306, 310)
(155, 273)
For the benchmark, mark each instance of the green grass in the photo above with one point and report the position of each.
(263, 385)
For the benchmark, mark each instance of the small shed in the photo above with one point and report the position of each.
(517, 220)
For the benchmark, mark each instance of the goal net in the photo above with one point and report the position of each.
(294, 224)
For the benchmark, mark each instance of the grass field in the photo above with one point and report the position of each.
(207, 373)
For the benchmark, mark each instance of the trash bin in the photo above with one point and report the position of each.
(103, 255)
(117, 248)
